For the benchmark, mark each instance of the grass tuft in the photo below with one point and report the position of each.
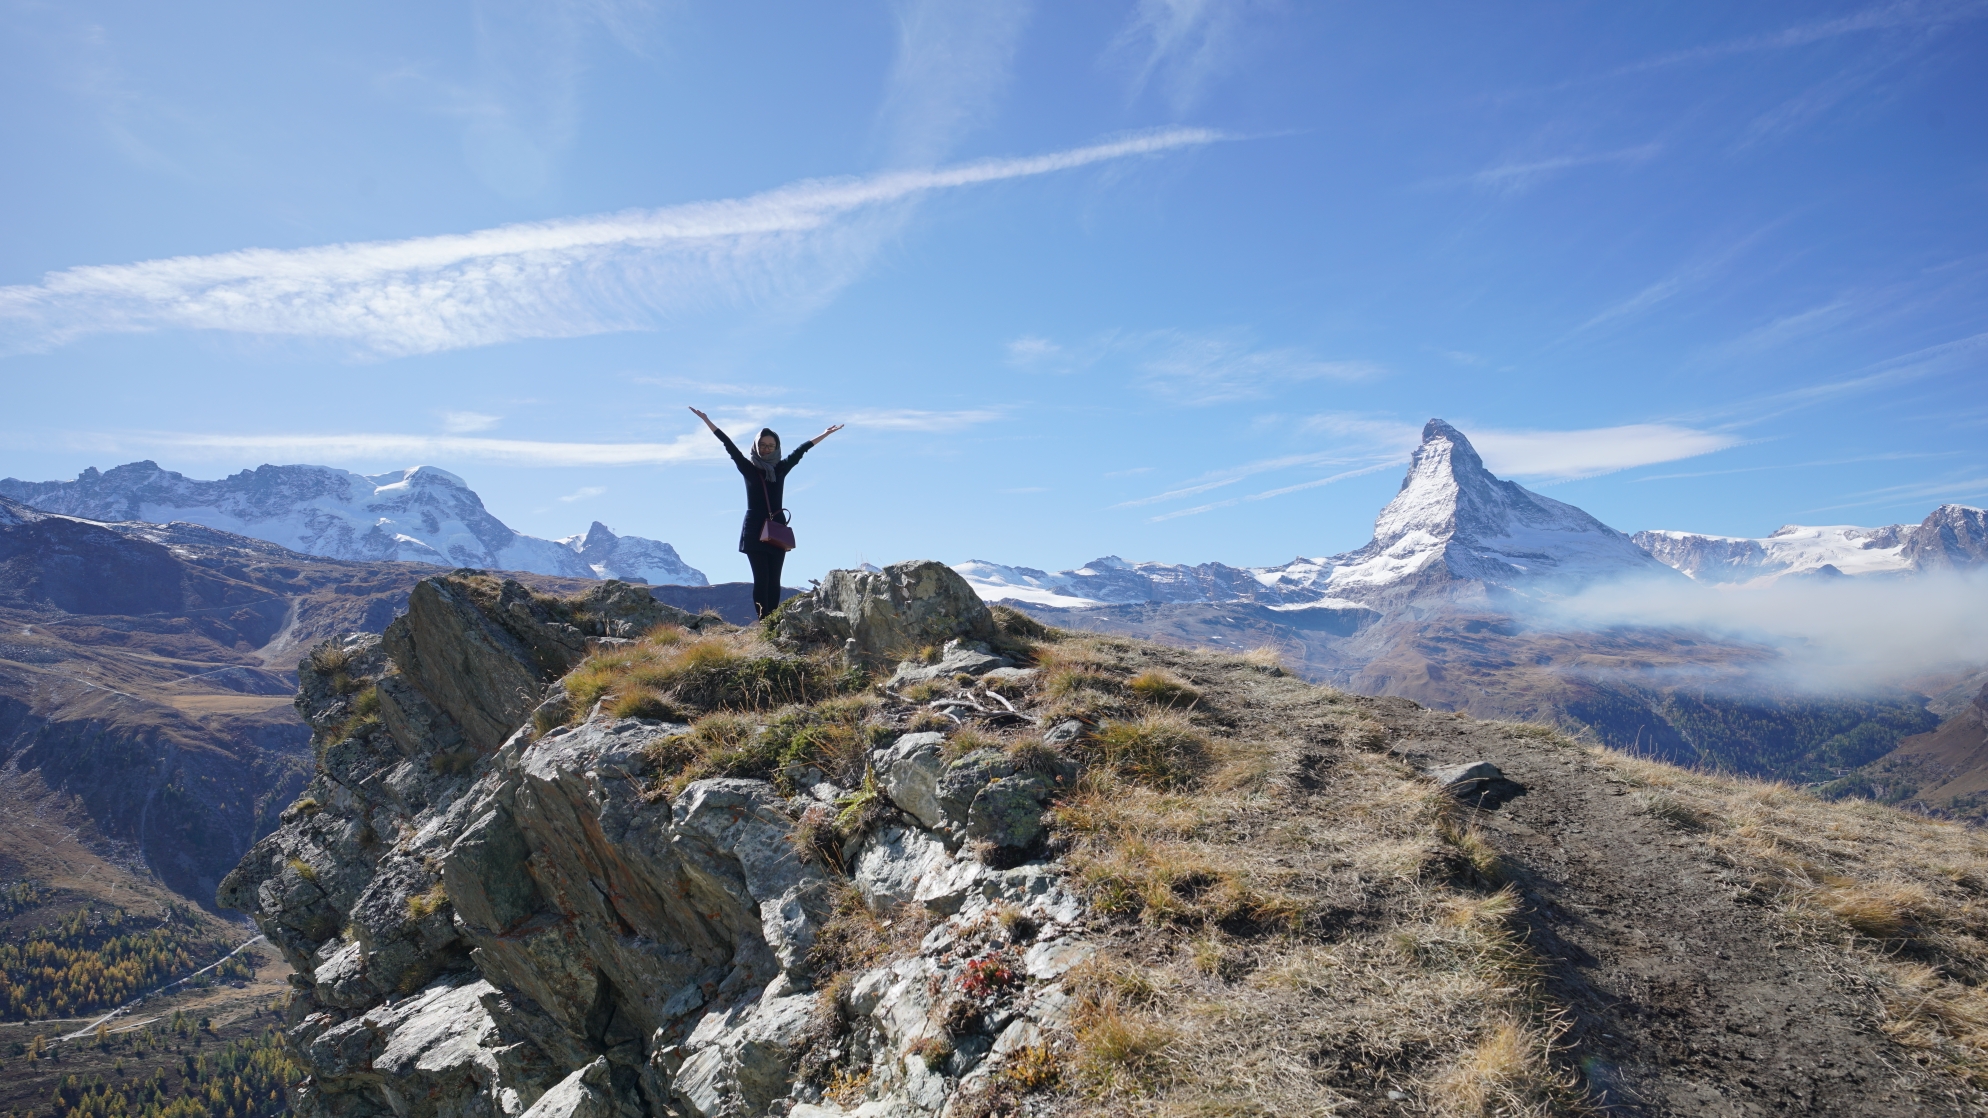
(1163, 689)
(1159, 750)
(1118, 1053)
(421, 906)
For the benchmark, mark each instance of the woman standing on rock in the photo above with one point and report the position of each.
(765, 475)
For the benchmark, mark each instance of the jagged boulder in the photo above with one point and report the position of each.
(890, 613)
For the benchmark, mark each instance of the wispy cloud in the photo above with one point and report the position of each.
(1190, 367)
(561, 278)
(1568, 455)
(1367, 444)
(468, 422)
(1534, 454)
(1269, 493)
(365, 447)
(908, 419)
(1879, 17)
(390, 447)
(1231, 475)
(1520, 176)
(1962, 355)
(953, 60)
(583, 493)
(712, 387)
(1186, 44)
(1791, 466)
(1687, 276)
(519, 100)
(1951, 488)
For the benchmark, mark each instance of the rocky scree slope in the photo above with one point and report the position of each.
(896, 854)
(417, 515)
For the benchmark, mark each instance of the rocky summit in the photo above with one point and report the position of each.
(899, 855)
(418, 515)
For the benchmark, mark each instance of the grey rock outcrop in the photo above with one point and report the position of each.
(1952, 537)
(489, 922)
(889, 613)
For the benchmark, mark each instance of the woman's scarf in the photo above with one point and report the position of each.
(767, 466)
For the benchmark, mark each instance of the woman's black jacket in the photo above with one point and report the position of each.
(762, 495)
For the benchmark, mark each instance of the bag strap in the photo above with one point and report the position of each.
(768, 494)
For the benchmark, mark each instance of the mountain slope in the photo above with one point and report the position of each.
(1944, 771)
(147, 672)
(419, 515)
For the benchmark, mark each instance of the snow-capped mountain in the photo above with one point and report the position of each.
(1951, 537)
(1113, 581)
(1792, 549)
(1452, 523)
(422, 515)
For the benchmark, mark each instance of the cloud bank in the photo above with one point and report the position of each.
(1833, 635)
(562, 278)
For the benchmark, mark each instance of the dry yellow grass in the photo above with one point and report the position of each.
(672, 673)
(1280, 948)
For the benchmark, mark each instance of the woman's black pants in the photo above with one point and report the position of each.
(766, 562)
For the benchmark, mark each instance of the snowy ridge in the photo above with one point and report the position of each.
(422, 515)
(1952, 536)
(1793, 549)
(1113, 581)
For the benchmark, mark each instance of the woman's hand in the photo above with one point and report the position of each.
(827, 433)
(706, 419)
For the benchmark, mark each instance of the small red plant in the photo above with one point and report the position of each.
(985, 976)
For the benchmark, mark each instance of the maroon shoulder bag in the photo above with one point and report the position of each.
(775, 530)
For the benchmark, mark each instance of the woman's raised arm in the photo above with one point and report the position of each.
(737, 458)
(832, 430)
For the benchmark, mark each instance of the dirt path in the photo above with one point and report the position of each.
(1688, 997)
(168, 987)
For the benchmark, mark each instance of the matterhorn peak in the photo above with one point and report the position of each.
(1453, 520)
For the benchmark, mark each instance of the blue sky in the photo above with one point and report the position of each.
(1172, 279)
